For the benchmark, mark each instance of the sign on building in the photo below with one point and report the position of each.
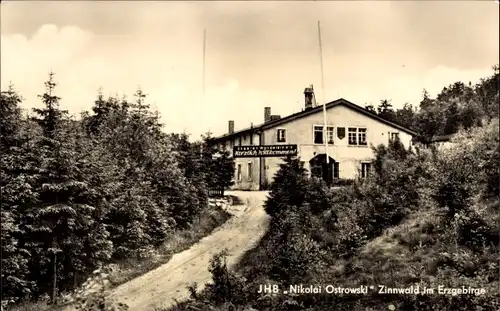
(264, 151)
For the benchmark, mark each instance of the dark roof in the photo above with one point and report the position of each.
(298, 115)
(442, 138)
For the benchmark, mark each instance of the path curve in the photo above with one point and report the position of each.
(159, 287)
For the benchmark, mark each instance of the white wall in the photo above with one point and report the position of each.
(300, 132)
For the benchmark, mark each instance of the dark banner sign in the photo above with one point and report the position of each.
(264, 151)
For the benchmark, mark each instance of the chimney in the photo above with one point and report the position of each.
(231, 127)
(267, 114)
(309, 97)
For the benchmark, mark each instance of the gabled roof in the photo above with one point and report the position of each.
(298, 115)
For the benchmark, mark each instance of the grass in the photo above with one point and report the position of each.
(179, 241)
(420, 250)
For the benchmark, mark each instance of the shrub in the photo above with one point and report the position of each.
(339, 182)
(226, 287)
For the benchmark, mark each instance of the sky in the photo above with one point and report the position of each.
(257, 54)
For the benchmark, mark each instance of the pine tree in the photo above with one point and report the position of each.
(10, 118)
(16, 180)
(57, 228)
(289, 187)
(51, 117)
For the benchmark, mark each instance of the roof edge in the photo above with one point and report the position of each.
(340, 101)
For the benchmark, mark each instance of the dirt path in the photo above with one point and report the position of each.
(160, 287)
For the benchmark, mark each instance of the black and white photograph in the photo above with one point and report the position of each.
(250, 155)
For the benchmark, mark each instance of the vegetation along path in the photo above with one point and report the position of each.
(160, 287)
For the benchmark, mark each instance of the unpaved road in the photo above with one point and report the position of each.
(159, 288)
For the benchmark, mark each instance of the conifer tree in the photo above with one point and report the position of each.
(15, 181)
(57, 228)
(289, 187)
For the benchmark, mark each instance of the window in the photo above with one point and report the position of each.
(357, 136)
(336, 170)
(352, 136)
(365, 169)
(251, 139)
(250, 170)
(281, 135)
(362, 136)
(318, 135)
(393, 136)
(238, 173)
(329, 134)
(239, 141)
(231, 144)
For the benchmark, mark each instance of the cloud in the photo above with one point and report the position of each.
(26, 62)
(83, 64)
(258, 54)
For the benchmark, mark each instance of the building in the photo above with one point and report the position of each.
(440, 142)
(350, 133)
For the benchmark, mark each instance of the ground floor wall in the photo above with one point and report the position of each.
(255, 173)
(247, 174)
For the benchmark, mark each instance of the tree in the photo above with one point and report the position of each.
(223, 168)
(289, 187)
(371, 109)
(426, 101)
(452, 122)
(385, 110)
(10, 118)
(51, 117)
(16, 179)
(405, 116)
(58, 229)
(102, 109)
(217, 166)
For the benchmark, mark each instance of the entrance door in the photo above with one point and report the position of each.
(321, 169)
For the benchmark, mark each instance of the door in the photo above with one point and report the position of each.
(321, 169)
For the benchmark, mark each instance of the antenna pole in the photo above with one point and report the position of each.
(325, 129)
(204, 52)
(200, 120)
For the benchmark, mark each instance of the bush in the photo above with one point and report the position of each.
(340, 182)
(226, 287)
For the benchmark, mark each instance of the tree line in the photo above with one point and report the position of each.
(78, 194)
(456, 106)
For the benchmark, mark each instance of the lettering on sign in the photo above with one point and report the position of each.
(264, 151)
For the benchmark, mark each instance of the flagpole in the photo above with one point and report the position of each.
(203, 83)
(204, 53)
(325, 131)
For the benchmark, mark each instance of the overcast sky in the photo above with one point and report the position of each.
(258, 53)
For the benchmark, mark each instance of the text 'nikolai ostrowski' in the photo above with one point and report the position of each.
(365, 289)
